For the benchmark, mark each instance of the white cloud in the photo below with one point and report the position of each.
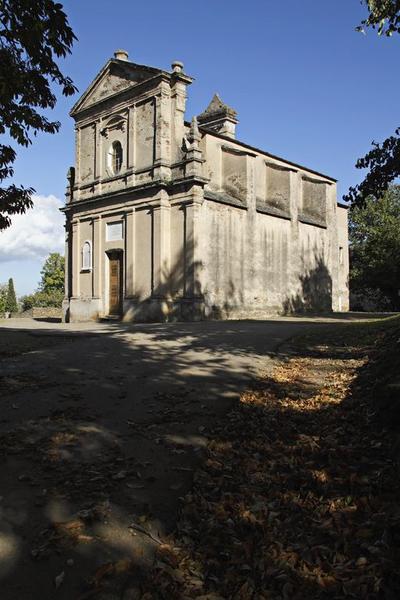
(36, 233)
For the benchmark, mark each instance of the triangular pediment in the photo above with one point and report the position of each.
(117, 76)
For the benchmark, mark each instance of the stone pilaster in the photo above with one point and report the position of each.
(98, 150)
(67, 275)
(77, 159)
(130, 240)
(162, 159)
(96, 257)
(178, 118)
(332, 257)
(295, 254)
(161, 247)
(193, 261)
(131, 138)
(76, 259)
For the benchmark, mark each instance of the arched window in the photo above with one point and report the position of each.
(116, 157)
(86, 256)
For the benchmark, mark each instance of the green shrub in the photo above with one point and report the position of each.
(52, 298)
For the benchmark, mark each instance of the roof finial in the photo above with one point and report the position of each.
(121, 55)
(177, 66)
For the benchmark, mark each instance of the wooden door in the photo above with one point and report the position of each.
(115, 282)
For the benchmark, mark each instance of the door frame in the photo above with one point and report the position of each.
(113, 254)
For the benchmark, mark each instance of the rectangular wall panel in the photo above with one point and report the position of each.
(144, 134)
(143, 254)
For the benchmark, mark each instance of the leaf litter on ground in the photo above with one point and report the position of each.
(298, 497)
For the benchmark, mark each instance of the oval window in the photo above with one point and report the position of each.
(116, 157)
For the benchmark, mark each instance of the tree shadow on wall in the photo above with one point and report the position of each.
(315, 293)
(175, 293)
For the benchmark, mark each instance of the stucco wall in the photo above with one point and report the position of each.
(144, 134)
(271, 267)
(343, 275)
(279, 252)
(222, 239)
(177, 251)
(143, 254)
(248, 265)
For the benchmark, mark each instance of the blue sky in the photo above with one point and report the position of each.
(305, 84)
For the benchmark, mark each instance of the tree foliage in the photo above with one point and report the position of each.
(52, 273)
(375, 246)
(40, 299)
(383, 160)
(51, 286)
(383, 15)
(3, 299)
(11, 302)
(32, 36)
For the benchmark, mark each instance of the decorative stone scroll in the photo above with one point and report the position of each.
(117, 122)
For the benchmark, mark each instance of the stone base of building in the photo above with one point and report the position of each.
(76, 310)
(162, 310)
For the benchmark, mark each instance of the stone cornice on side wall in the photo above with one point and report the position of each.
(257, 151)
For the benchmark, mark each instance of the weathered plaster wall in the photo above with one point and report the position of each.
(87, 153)
(315, 270)
(222, 239)
(343, 276)
(144, 134)
(143, 254)
(280, 251)
(272, 261)
(248, 267)
(246, 260)
(234, 174)
(86, 276)
(277, 188)
(177, 251)
(314, 198)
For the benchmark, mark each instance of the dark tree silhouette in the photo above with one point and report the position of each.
(32, 36)
(11, 301)
(383, 160)
(375, 247)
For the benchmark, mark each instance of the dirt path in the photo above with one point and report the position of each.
(101, 430)
(299, 495)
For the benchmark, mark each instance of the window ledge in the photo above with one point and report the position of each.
(311, 220)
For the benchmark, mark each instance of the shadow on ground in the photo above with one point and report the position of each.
(102, 429)
(101, 432)
(299, 496)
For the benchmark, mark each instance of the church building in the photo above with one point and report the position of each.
(174, 220)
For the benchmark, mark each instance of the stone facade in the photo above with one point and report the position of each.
(167, 219)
